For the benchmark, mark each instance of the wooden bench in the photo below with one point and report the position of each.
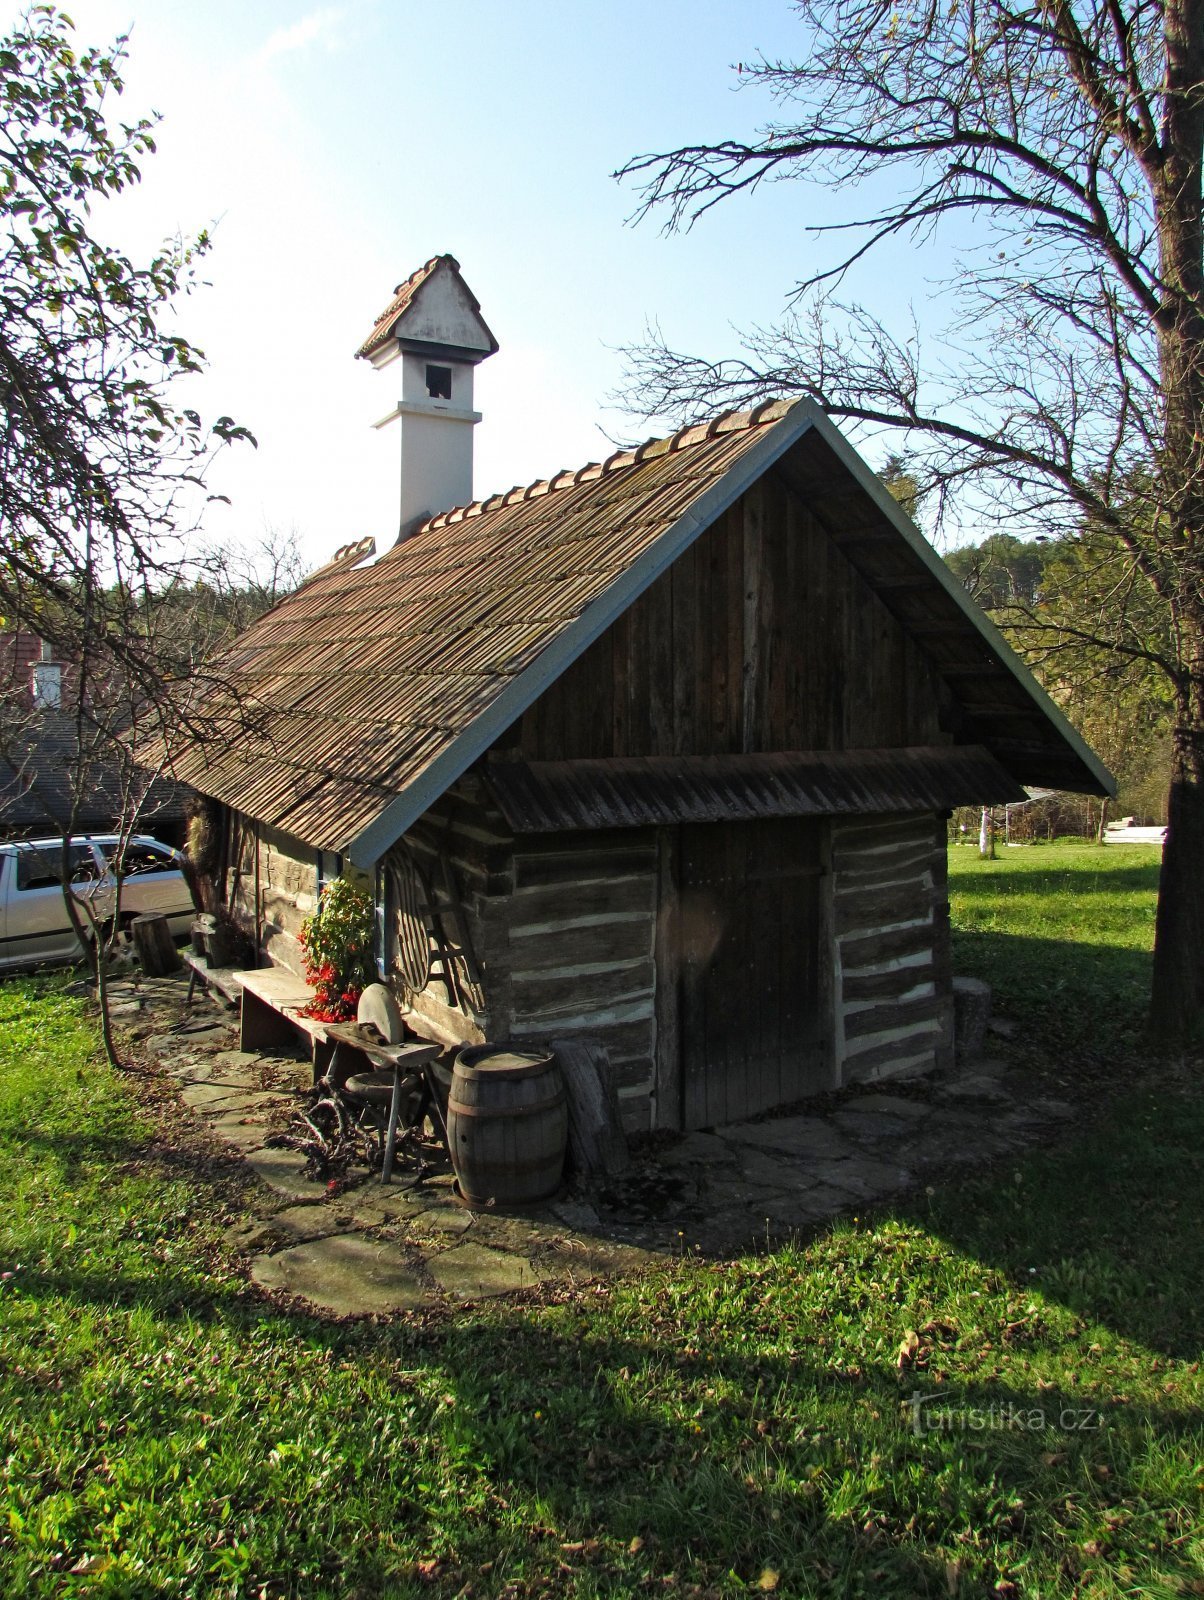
(270, 1001)
(273, 999)
(219, 978)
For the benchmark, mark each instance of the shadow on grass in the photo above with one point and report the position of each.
(1110, 1226)
(1072, 1000)
(1006, 878)
(690, 1457)
(691, 1464)
(829, 1479)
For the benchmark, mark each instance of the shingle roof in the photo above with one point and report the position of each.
(362, 697)
(402, 295)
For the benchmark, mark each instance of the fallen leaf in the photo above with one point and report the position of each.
(769, 1579)
(907, 1350)
(953, 1576)
(636, 1545)
(1054, 1458)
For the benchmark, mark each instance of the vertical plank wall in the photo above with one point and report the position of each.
(894, 1012)
(753, 1018)
(760, 637)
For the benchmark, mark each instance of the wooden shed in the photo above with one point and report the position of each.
(659, 751)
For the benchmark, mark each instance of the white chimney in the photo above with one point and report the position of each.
(434, 328)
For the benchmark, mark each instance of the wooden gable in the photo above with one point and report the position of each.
(760, 637)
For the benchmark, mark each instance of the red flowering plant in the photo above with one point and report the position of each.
(337, 941)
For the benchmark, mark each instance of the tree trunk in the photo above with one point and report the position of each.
(1177, 997)
(156, 949)
(1103, 821)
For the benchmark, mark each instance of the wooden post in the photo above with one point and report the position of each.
(986, 835)
(155, 946)
(596, 1137)
(667, 967)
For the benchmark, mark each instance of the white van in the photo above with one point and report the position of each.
(34, 925)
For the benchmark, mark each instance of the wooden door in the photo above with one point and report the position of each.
(752, 1028)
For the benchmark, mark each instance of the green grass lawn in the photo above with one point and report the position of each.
(1063, 933)
(994, 1390)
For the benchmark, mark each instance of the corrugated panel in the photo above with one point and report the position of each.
(636, 792)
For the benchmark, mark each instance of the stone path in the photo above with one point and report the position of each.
(368, 1248)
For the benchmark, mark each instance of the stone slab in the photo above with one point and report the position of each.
(974, 1086)
(1054, 1110)
(284, 1171)
(575, 1214)
(865, 1125)
(893, 1105)
(696, 1146)
(375, 1205)
(474, 1272)
(243, 1131)
(239, 1058)
(169, 1044)
(792, 1136)
(250, 1236)
(804, 1211)
(863, 1177)
(301, 1224)
(189, 1071)
(240, 1100)
(202, 1032)
(447, 1220)
(764, 1169)
(205, 1095)
(724, 1193)
(346, 1274)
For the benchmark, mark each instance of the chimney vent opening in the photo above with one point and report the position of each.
(439, 382)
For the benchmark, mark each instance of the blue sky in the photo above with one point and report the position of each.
(335, 148)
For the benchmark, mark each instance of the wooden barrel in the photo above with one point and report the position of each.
(507, 1124)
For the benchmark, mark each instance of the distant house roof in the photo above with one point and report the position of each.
(44, 787)
(373, 688)
(383, 329)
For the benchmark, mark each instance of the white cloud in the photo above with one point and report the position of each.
(302, 34)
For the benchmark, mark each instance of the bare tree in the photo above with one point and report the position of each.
(1065, 140)
(102, 470)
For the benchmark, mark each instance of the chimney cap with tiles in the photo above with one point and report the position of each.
(432, 310)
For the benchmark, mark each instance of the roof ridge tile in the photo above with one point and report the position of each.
(768, 411)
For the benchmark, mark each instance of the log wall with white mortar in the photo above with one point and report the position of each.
(894, 1008)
